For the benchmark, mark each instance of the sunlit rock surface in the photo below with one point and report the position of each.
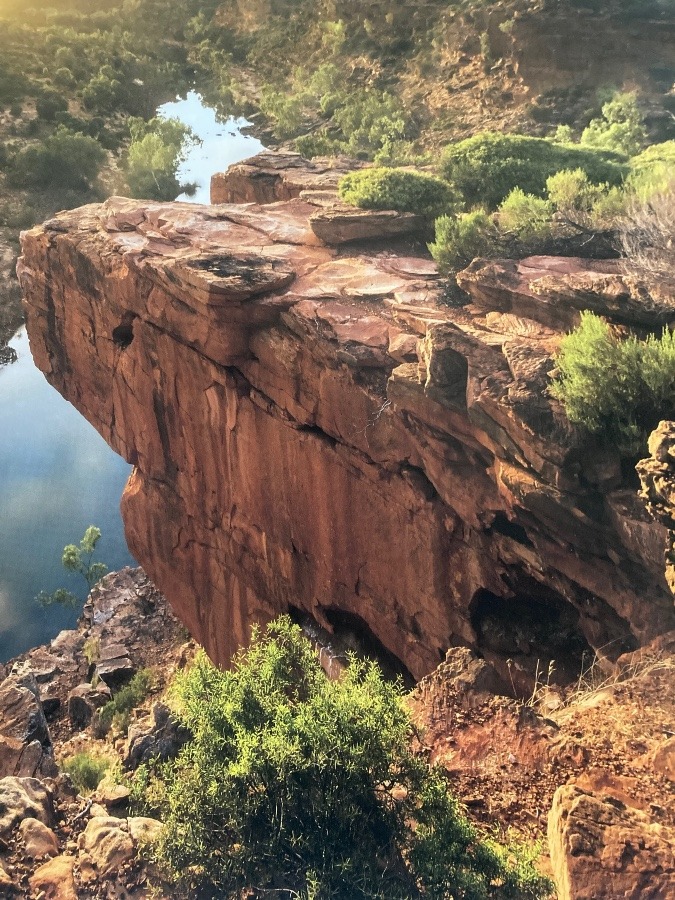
(318, 429)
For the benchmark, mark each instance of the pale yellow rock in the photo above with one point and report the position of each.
(39, 840)
(54, 880)
(108, 843)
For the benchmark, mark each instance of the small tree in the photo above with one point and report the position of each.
(80, 561)
(156, 151)
(295, 782)
(620, 128)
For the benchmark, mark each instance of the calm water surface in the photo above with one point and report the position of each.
(223, 143)
(57, 475)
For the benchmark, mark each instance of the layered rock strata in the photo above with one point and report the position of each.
(320, 430)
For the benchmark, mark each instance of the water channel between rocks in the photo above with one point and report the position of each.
(57, 475)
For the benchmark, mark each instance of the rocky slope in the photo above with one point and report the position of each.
(594, 768)
(54, 843)
(316, 430)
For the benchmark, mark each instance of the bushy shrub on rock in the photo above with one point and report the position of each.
(295, 782)
(617, 389)
(406, 191)
(487, 167)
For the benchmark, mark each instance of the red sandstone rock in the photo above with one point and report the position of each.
(553, 290)
(601, 849)
(286, 457)
(272, 176)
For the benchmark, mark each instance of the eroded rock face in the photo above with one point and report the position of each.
(657, 476)
(272, 176)
(601, 849)
(318, 431)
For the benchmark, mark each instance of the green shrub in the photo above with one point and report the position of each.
(296, 782)
(49, 103)
(86, 770)
(385, 188)
(617, 389)
(487, 167)
(371, 123)
(526, 217)
(66, 159)
(317, 144)
(652, 170)
(619, 129)
(459, 239)
(116, 712)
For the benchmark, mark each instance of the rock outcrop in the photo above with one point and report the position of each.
(657, 476)
(321, 431)
(601, 849)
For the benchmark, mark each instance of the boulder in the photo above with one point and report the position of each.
(663, 759)
(22, 724)
(144, 830)
(601, 849)
(107, 842)
(39, 840)
(275, 175)
(54, 880)
(343, 224)
(114, 667)
(157, 736)
(554, 290)
(22, 798)
(84, 700)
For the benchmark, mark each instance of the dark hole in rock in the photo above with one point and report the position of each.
(350, 635)
(503, 525)
(531, 640)
(123, 335)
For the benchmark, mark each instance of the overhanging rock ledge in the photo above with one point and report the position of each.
(314, 429)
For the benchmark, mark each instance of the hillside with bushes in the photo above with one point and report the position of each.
(441, 365)
(384, 80)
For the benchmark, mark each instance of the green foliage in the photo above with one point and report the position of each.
(287, 112)
(116, 712)
(407, 191)
(49, 104)
(617, 389)
(620, 128)
(297, 782)
(79, 560)
(103, 94)
(65, 159)
(525, 216)
(317, 144)
(459, 239)
(371, 123)
(156, 151)
(86, 770)
(652, 170)
(487, 167)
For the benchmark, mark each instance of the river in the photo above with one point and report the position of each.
(57, 475)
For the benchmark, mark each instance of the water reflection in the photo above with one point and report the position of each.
(222, 143)
(57, 476)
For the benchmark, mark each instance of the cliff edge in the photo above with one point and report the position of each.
(316, 428)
